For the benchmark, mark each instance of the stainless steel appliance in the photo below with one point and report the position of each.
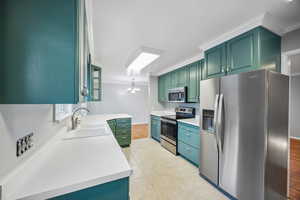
(169, 127)
(177, 95)
(244, 134)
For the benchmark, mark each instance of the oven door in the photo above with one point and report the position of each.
(169, 130)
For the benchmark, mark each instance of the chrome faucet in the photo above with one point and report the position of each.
(75, 119)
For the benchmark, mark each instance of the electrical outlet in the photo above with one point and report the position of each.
(24, 144)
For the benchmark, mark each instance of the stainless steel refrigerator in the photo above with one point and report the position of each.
(244, 134)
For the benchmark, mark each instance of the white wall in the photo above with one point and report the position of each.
(116, 99)
(295, 107)
(17, 121)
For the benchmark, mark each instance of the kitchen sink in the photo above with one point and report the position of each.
(85, 132)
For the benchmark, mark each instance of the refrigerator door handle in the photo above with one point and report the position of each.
(220, 123)
(216, 113)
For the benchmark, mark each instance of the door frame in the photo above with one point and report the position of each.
(286, 69)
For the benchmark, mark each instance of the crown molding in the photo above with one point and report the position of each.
(292, 28)
(266, 20)
(180, 64)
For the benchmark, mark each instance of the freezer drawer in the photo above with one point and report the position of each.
(208, 157)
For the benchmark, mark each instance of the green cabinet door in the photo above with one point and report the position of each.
(269, 50)
(155, 128)
(161, 88)
(39, 58)
(168, 80)
(242, 52)
(215, 61)
(192, 87)
(118, 189)
(182, 77)
(174, 79)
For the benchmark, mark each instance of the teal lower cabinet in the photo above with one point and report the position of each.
(189, 142)
(155, 127)
(115, 190)
(121, 129)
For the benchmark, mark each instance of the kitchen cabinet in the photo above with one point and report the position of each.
(242, 52)
(182, 77)
(161, 89)
(215, 61)
(167, 85)
(187, 76)
(155, 127)
(42, 44)
(112, 124)
(174, 78)
(189, 142)
(255, 49)
(121, 129)
(95, 86)
(118, 189)
(193, 82)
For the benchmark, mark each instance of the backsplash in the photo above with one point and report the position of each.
(172, 106)
(17, 121)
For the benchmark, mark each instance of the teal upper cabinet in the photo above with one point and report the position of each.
(167, 84)
(174, 78)
(182, 77)
(215, 61)
(188, 76)
(161, 88)
(95, 86)
(193, 82)
(40, 48)
(242, 52)
(257, 48)
(269, 50)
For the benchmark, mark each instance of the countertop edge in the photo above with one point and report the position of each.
(77, 186)
(191, 123)
(68, 188)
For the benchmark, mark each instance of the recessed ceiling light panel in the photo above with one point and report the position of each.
(141, 59)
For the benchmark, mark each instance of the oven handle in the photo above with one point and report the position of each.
(168, 121)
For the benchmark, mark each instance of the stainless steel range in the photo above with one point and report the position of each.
(169, 127)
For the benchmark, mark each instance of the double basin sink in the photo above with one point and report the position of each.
(89, 128)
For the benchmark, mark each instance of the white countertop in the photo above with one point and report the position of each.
(160, 113)
(67, 165)
(193, 121)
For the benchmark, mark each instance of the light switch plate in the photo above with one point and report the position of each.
(24, 144)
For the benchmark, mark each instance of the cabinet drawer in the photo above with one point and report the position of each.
(123, 126)
(189, 135)
(189, 152)
(124, 121)
(123, 140)
(112, 124)
(123, 131)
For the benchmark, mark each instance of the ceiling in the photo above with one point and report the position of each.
(176, 27)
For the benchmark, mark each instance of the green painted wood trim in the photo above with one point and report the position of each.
(115, 190)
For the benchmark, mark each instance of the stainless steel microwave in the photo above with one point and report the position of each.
(177, 95)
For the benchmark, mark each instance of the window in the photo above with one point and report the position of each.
(62, 111)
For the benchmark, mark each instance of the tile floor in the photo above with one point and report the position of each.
(159, 175)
